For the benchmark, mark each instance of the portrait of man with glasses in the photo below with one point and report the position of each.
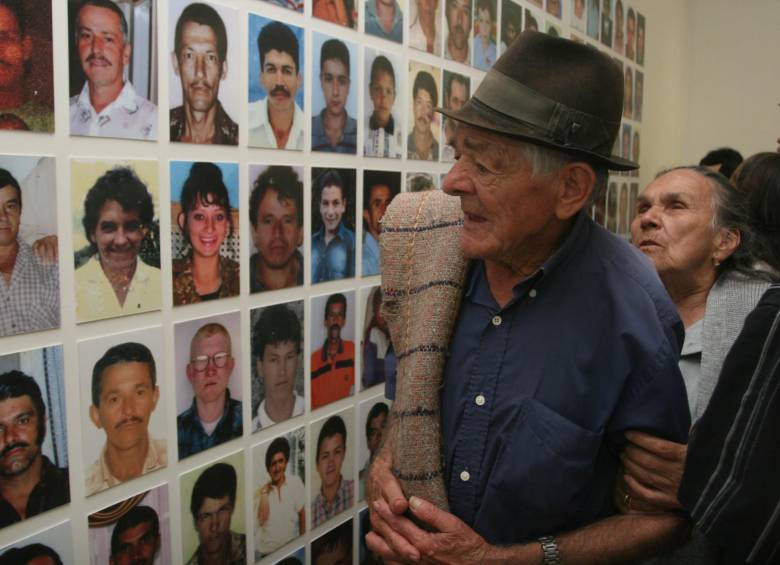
(213, 417)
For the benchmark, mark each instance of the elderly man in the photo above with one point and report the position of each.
(276, 215)
(124, 395)
(200, 62)
(29, 482)
(118, 213)
(280, 119)
(15, 99)
(29, 287)
(563, 340)
(214, 417)
(107, 105)
(136, 537)
(212, 504)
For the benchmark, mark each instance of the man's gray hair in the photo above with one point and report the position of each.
(545, 160)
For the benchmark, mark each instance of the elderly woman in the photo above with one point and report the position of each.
(690, 223)
(205, 221)
(730, 484)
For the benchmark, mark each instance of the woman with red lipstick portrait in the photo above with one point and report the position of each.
(207, 267)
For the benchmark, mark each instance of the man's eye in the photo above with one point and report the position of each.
(24, 420)
(198, 216)
(108, 227)
(343, 81)
(212, 58)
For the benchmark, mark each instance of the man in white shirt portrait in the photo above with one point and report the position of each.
(108, 105)
(277, 121)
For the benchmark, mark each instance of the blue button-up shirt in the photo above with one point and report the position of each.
(333, 261)
(537, 394)
(374, 26)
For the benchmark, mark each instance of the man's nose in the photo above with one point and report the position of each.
(120, 236)
(277, 229)
(200, 66)
(97, 44)
(457, 182)
(649, 218)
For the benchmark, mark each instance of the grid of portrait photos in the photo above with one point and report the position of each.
(192, 347)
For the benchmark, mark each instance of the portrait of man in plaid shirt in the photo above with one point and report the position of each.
(336, 493)
(213, 417)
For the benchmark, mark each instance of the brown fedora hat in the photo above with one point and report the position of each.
(553, 92)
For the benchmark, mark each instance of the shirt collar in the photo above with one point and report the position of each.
(389, 128)
(478, 289)
(126, 99)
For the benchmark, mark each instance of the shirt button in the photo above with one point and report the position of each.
(480, 400)
(532, 293)
(497, 320)
(464, 476)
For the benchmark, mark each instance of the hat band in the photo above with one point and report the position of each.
(563, 125)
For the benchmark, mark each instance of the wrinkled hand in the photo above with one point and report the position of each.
(397, 538)
(381, 484)
(653, 471)
(45, 249)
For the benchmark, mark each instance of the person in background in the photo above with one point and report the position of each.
(205, 221)
(384, 132)
(384, 19)
(333, 130)
(421, 143)
(724, 160)
(484, 45)
(135, 539)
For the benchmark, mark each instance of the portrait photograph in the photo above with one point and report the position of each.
(294, 5)
(383, 104)
(113, 69)
(378, 359)
(623, 220)
(379, 189)
(457, 91)
(334, 96)
(116, 237)
(26, 74)
(485, 50)
(631, 34)
(640, 39)
(639, 87)
(606, 23)
(276, 53)
(418, 182)
(207, 373)
(532, 21)
(34, 443)
(593, 18)
(276, 212)
(134, 530)
(332, 347)
(511, 24)
(457, 37)
(339, 12)
(123, 418)
(612, 191)
(425, 26)
(334, 546)
(628, 92)
(633, 193)
(277, 345)
(635, 151)
(332, 224)
(619, 36)
(201, 63)
(54, 543)
(31, 284)
(205, 244)
(279, 494)
(213, 520)
(553, 8)
(372, 419)
(625, 145)
(384, 19)
(579, 16)
(425, 84)
(332, 463)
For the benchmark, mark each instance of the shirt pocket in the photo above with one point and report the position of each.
(543, 472)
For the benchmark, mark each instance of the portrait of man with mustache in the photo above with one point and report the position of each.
(200, 61)
(29, 482)
(107, 105)
(124, 395)
(457, 44)
(333, 364)
(276, 118)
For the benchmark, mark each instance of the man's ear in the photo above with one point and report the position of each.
(575, 185)
(94, 415)
(126, 52)
(224, 72)
(726, 243)
(175, 63)
(155, 397)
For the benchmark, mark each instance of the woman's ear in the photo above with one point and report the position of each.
(727, 241)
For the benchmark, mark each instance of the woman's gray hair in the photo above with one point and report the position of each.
(729, 213)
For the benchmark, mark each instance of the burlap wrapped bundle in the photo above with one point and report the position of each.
(423, 272)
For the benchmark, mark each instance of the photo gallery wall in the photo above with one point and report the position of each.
(192, 349)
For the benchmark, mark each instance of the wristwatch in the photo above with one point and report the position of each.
(550, 549)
